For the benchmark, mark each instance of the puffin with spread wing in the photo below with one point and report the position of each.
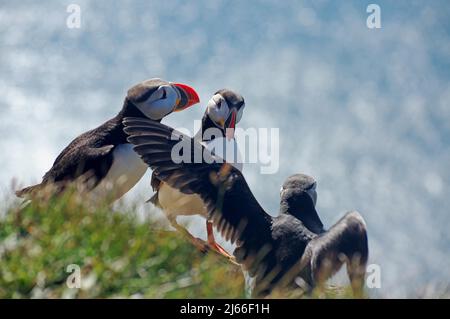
(223, 111)
(274, 251)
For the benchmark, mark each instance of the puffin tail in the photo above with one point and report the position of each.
(27, 191)
(154, 200)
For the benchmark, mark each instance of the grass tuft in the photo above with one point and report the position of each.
(118, 255)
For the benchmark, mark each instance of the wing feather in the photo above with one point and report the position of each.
(344, 242)
(234, 210)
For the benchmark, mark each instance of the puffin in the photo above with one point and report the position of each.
(101, 159)
(326, 251)
(223, 111)
(275, 252)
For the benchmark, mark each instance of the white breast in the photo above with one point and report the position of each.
(174, 203)
(126, 170)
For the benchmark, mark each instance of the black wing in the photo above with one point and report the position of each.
(79, 161)
(231, 205)
(344, 242)
(80, 158)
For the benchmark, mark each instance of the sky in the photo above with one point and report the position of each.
(364, 111)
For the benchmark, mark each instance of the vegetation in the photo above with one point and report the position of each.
(119, 255)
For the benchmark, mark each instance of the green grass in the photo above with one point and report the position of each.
(119, 256)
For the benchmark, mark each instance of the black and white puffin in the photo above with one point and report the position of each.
(224, 110)
(102, 157)
(275, 251)
(326, 250)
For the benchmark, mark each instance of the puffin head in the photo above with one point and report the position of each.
(225, 110)
(156, 98)
(299, 187)
(298, 198)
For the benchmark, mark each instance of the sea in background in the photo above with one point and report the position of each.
(366, 112)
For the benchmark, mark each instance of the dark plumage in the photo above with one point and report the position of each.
(91, 155)
(91, 152)
(274, 250)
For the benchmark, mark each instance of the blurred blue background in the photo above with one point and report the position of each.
(364, 111)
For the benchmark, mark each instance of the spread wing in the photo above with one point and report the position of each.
(344, 242)
(186, 165)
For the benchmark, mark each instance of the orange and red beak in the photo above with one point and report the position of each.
(188, 96)
(229, 130)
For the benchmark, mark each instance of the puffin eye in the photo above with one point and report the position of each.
(164, 94)
(219, 104)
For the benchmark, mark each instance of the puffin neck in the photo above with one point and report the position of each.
(129, 110)
(303, 210)
(207, 123)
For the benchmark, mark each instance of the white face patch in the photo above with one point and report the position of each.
(217, 110)
(160, 103)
